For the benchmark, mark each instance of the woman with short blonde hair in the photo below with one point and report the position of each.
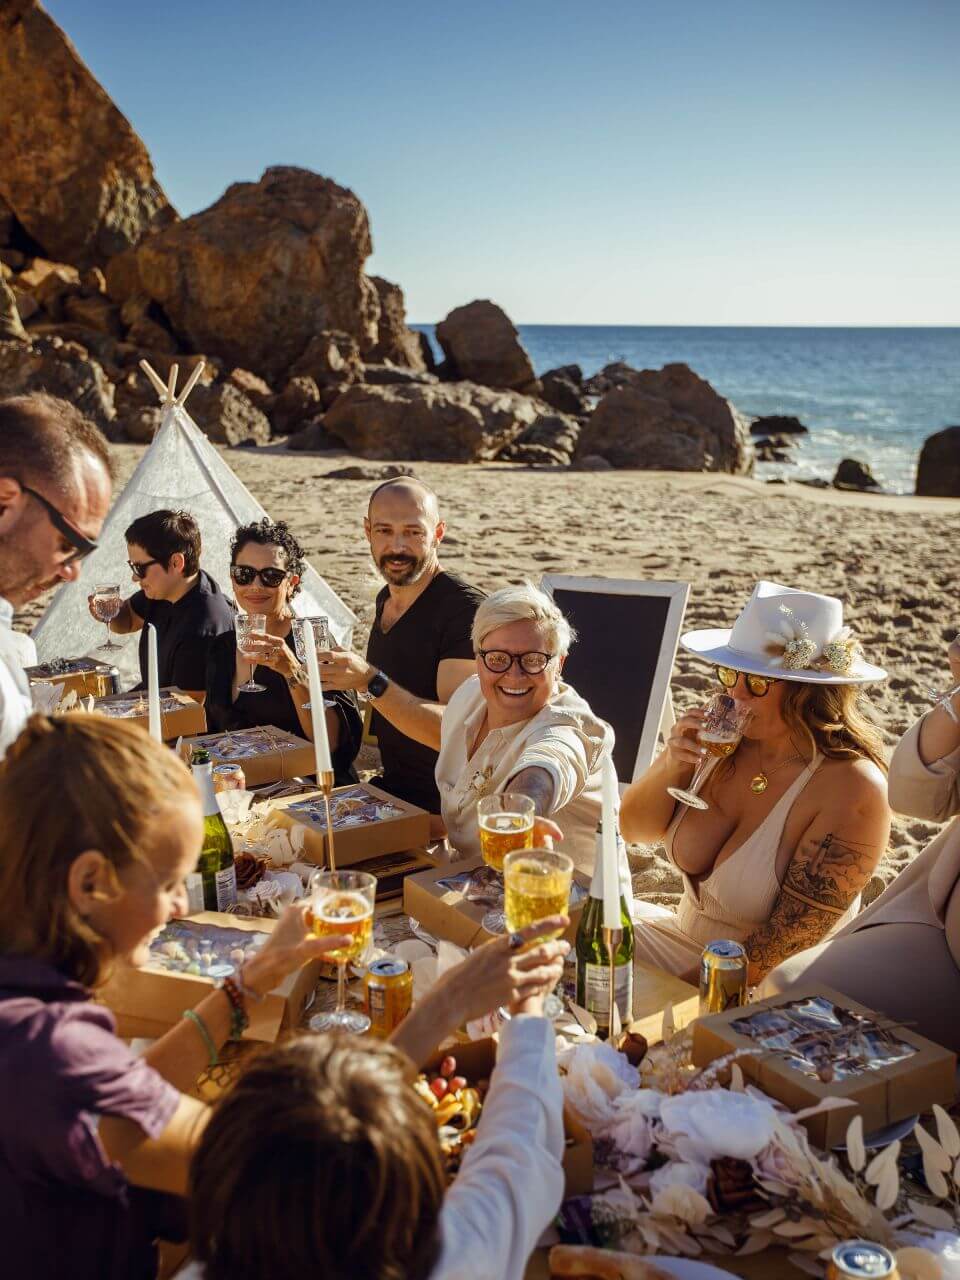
(523, 603)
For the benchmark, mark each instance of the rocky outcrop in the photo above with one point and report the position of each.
(253, 278)
(671, 420)
(449, 422)
(395, 342)
(851, 474)
(297, 403)
(329, 358)
(938, 469)
(482, 345)
(11, 325)
(776, 424)
(227, 416)
(72, 169)
(611, 378)
(63, 369)
(315, 438)
(552, 440)
(562, 389)
(384, 375)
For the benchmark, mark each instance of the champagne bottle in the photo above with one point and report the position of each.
(593, 971)
(215, 863)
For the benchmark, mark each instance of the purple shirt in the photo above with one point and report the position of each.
(70, 1209)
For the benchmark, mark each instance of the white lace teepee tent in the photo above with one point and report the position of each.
(181, 470)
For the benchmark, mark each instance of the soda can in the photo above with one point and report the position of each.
(723, 977)
(229, 777)
(861, 1260)
(388, 994)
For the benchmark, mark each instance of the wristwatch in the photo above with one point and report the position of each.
(378, 685)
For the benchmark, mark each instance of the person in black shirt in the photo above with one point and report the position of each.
(419, 651)
(266, 564)
(185, 605)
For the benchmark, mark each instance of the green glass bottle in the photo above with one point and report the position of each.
(593, 969)
(215, 863)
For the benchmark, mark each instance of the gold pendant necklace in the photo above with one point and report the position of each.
(760, 781)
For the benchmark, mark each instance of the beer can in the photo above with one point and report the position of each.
(860, 1259)
(388, 994)
(229, 777)
(723, 976)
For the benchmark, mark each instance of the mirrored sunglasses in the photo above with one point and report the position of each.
(757, 686)
(244, 574)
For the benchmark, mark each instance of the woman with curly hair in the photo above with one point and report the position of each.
(266, 565)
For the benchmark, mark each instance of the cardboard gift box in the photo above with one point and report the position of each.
(366, 822)
(266, 754)
(149, 1000)
(180, 713)
(812, 1053)
(84, 676)
(438, 899)
(476, 1060)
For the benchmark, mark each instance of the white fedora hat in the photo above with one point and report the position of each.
(794, 635)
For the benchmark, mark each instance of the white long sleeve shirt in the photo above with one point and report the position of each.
(15, 703)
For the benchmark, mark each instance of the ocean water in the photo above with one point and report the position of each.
(871, 394)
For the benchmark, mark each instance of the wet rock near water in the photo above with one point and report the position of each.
(851, 474)
(938, 469)
(778, 425)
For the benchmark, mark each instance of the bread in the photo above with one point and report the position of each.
(601, 1264)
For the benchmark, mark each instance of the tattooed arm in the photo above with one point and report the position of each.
(833, 862)
(539, 785)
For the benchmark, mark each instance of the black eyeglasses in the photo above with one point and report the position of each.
(139, 567)
(244, 574)
(499, 661)
(81, 544)
(757, 686)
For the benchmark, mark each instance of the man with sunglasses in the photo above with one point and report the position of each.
(182, 601)
(55, 489)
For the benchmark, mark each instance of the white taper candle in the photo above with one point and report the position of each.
(321, 745)
(609, 853)
(153, 685)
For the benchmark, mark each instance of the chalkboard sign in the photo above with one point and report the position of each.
(628, 633)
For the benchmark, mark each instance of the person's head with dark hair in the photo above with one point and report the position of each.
(322, 1160)
(404, 529)
(55, 488)
(163, 550)
(266, 565)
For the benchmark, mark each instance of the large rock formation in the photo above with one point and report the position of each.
(671, 420)
(255, 276)
(395, 342)
(63, 369)
(227, 416)
(938, 470)
(481, 345)
(72, 169)
(449, 422)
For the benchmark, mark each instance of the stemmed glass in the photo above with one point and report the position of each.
(106, 603)
(247, 624)
(342, 902)
(722, 728)
(506, 824)
(537, 885)
(940, 696)
(321, 638)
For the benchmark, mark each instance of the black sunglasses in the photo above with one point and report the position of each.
(244, 574)
(139, 567)
(757, 686)
(81, 544)
(499, 661)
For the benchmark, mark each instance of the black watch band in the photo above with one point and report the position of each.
(378, 685)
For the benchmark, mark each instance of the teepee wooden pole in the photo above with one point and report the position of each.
(155, 378)
(191, 383)
(171, 397)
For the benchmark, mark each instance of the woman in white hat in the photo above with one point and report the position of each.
(797, 817)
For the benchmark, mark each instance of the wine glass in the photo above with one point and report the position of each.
(106, 603)
(342, 902)
(722, 728)
(506, 823)
(247, 624)
(536, 885)
(940, 696)
(321, 638)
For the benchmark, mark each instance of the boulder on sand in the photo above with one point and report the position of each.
(226, 416)
(551, 439)
(851, 474)
(449, 422)
(482, 345)
(938, 469)
(671, 420)
(563, 392)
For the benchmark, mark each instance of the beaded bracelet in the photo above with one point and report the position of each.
(205, 1035)
(239, 1018)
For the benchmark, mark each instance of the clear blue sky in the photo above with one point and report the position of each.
(620, 162)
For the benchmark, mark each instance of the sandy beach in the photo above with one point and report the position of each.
(883, 556)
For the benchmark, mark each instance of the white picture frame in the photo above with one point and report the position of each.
(659, 713)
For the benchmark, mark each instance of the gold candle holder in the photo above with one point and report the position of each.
(611, 940)
(325, 780)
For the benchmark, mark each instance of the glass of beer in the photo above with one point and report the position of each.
(106, 602)
(342, 902)
(247, 624)
(536, 885)
(720, 733)
(506, 823)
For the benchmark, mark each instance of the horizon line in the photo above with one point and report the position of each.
(570, 324)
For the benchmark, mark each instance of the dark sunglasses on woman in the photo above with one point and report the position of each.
(757, 686)
(244, 574)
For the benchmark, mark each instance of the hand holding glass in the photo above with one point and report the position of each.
(537, 885)
(342, 902)
(321, 638)
(106, 603)
(720, 732)
(506, 823)
(247, 624)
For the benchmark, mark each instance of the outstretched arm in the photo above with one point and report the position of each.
(833, 862)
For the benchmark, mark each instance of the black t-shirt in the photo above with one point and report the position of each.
(185, 629)
(436, 626)
(274, 706)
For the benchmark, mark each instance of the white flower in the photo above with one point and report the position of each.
(596, 1075)
(633, 1125)
(701, 1125)
(683, 1202)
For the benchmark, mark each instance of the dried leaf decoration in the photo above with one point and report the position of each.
(947, 1132)
(856, 1152)
(932, 1216)
(888, 1187)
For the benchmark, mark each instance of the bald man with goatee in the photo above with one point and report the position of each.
(419, 651)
